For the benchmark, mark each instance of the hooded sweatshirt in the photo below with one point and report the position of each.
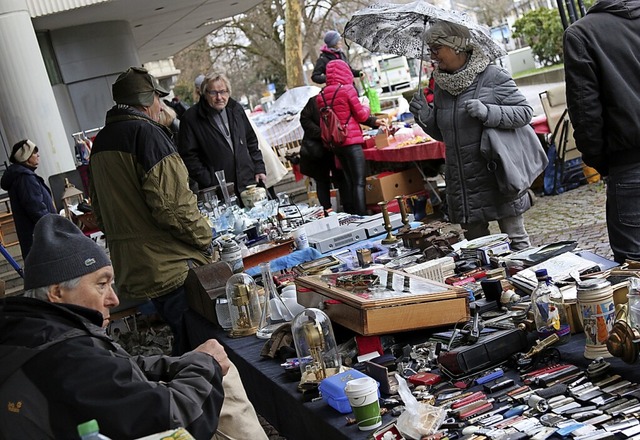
(601, 64)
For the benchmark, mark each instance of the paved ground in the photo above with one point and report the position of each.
(578, 214)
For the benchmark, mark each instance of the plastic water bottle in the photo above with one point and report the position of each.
(90, 431)
(548, 309)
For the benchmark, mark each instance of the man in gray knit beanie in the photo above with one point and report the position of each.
(71, 279)
(63, 252)
(64, 263)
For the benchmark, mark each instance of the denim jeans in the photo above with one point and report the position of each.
(353, 164)
(623, 212)
(171, 308)
(512, 226)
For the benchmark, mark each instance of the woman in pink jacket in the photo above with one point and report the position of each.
(342, 96)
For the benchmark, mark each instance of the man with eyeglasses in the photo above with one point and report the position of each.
(215, 134)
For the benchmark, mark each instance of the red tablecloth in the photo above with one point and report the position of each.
(424, 151)
(540, 125)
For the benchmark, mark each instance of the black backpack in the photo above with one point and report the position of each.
(332, 132)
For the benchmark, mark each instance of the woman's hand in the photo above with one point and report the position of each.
(419, 107)
(477, 109)
(381, 122)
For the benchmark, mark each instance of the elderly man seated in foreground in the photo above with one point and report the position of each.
(59, 368)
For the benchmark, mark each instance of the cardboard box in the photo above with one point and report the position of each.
(382, 140)
(384, 187)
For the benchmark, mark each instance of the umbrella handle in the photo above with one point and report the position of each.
(424, 33)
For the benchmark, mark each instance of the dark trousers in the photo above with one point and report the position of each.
(323, 188)
(171, 308)
(623, 212)
(353, 164)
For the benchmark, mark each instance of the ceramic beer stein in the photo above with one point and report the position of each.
(252, 195)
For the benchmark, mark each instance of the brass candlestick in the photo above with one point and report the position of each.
(390, 238)
(402, 203)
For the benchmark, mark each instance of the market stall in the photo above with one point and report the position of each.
(412, 152)
(451, 317)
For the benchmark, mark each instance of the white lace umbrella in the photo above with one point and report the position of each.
(400, 29)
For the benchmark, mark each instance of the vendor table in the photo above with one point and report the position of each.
(410, 153)
(273, 394)
(276, 398)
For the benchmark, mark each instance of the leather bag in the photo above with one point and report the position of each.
(515, 156)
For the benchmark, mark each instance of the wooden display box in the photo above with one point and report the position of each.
(378, 311)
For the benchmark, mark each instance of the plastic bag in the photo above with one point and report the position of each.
(418, 419)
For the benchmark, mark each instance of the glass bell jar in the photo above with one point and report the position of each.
(244, 305)
(316, 346)
(275, 311)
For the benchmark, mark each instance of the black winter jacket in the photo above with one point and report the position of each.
(316, 161)
(30, 200)
(601, 65)
(205, 150)
(319, 74)
(59, 369)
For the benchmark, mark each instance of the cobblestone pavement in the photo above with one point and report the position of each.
(578, 214)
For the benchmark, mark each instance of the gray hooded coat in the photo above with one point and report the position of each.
(472, 190)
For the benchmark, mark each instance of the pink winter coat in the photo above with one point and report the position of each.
(346, 101)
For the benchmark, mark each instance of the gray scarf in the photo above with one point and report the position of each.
(457, 82)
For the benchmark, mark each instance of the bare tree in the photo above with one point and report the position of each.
(250, 48)
(293, 44)
(490, 13)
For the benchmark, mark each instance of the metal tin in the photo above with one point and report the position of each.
(593, 285)
(232, 255)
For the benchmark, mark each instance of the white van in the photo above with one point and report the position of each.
(393, 73)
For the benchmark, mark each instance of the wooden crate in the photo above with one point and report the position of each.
(428, 304)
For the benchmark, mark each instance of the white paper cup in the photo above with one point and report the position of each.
(300, 238)
(363, 398)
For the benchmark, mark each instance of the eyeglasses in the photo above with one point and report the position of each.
(216, 93)
(435, 49)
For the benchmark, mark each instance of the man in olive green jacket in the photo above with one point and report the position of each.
(142, 201)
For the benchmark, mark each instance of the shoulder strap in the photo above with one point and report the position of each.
(334, 95)
(479, 85)
(333, 99)
(323, 97)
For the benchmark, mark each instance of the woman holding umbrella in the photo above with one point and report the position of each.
(471, 94)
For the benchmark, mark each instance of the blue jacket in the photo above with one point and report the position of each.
(30, 200)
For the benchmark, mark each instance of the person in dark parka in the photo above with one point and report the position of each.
(332, 50)
(29, 196)
(216, 134)
(317, 161)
